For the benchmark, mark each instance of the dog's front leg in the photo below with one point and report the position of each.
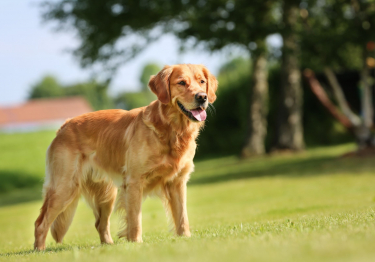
(177, 204)
(133, 206)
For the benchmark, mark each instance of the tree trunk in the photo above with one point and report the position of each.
(257, 124)
(367, 107)
(289, 131)
(363, 132)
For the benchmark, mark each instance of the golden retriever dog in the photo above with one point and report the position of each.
(141, 151)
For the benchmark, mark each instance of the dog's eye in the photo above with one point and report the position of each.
(202, 82)
(182, 83)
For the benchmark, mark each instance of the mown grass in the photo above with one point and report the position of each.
(314, 206)
(21, 159)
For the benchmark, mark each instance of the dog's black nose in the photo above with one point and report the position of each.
(201, 97)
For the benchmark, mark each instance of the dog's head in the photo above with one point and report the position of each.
(187, 87)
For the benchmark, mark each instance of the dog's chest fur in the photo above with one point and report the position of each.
(177, 152)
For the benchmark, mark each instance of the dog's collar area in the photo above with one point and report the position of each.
(186, 112)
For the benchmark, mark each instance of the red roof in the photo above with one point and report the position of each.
(44, 110)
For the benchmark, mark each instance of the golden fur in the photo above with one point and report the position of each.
(148, 149)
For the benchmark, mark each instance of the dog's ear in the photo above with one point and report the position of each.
(212, 84)
(159, 84)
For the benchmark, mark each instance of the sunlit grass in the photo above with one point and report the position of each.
(315, 206)
(21, 159)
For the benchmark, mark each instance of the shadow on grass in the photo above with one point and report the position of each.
(289, 167)
(13, 179)
(24, 188)
(18, 186)
(55, 248)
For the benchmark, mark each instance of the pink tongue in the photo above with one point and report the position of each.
(199, 114)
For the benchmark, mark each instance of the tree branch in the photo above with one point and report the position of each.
(318, 90)
(340, 97)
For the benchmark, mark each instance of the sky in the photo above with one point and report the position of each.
(30, 49)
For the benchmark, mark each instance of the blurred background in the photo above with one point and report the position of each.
(292, 74)
(292, 133)
(264, 55)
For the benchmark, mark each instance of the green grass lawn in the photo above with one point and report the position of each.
(314, 206)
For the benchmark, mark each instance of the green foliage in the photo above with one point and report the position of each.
(129, 100)
(96, 93)
(101, 25)
(47, 87)
(225, 130)
(332, 32)
(231, 71)
(225, 126)
(223, 23)
(319, 127)
(336, 33)
(148, 70)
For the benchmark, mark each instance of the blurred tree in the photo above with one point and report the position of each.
(130, 100)
(234, 81)
(96, 93)
(319, 127)
(289, 131)
(339, 36)
(257, 119)
(148, 70)
(223, 23)
(215, 23)
(232, 71)
(335, 33)
(47, 87)
(101, 24)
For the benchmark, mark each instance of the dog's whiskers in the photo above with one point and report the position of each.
(212, 108)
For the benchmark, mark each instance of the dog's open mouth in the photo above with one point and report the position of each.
(197, 114)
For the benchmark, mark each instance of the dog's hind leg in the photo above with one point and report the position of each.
(61, 191)
(62, 223)
(101, 197)
(54, 204)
